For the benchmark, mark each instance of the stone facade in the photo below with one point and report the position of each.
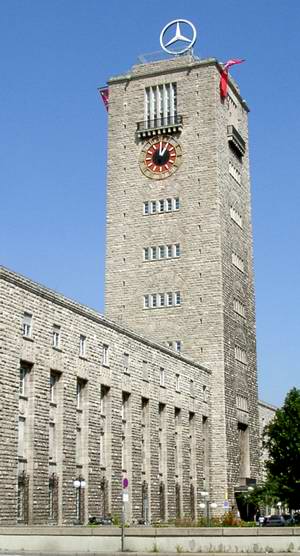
(266, 414)
(84, 399)
(215, 318)
(88, 401)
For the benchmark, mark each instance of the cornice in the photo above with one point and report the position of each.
(267, 405)
(91, 314)
(181, 64)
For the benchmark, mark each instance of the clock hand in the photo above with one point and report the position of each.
(160, 148)
(164, 150)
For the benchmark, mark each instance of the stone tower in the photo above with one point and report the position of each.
(179, 263)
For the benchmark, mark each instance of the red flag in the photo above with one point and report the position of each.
(104, 95)
(224, 76)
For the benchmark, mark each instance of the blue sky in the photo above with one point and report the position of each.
(54, 54)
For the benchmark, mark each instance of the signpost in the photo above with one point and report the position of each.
(125, 498)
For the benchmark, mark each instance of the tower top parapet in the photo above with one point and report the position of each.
(185, 63)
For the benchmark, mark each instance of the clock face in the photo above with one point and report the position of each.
(160, 157)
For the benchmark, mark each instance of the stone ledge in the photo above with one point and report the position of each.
(60, 531)
(188, 532)
(240, 531)
(279, 531)
(152, 531)
(44, 553)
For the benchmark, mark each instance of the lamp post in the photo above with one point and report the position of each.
(78, 485)
(207, 505)
(124, 500)
(204, 505)
(213, 505)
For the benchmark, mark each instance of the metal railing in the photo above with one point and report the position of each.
(159, 122)
(236, 139)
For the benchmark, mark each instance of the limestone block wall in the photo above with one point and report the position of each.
(205, 323)
(241, 390)
(98, 437)
(266, 413)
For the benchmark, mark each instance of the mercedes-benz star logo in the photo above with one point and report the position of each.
(178, 37)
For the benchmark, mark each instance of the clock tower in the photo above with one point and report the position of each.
(179, 266)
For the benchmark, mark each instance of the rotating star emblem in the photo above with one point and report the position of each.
(178, 37)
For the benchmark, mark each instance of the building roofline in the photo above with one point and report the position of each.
(191, 63)
(267, 405)
(58, 298)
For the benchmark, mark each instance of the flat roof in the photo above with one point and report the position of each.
(172, 65)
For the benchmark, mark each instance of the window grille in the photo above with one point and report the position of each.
(160, 105)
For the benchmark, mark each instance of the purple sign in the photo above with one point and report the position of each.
(125, 483)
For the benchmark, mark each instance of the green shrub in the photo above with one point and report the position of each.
(184, 522)
(228, 519)
(116, 520)
(248, 524)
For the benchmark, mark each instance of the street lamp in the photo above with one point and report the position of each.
(207, 504)
(78, 484)
(124, 500)
(204, 505)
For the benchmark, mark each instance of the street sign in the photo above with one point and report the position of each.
(226, 505)
(125, 497)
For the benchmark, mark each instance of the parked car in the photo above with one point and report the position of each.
(274, 521)
(285, 520)
(99, 520)
(289, 520)
(297, 518)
